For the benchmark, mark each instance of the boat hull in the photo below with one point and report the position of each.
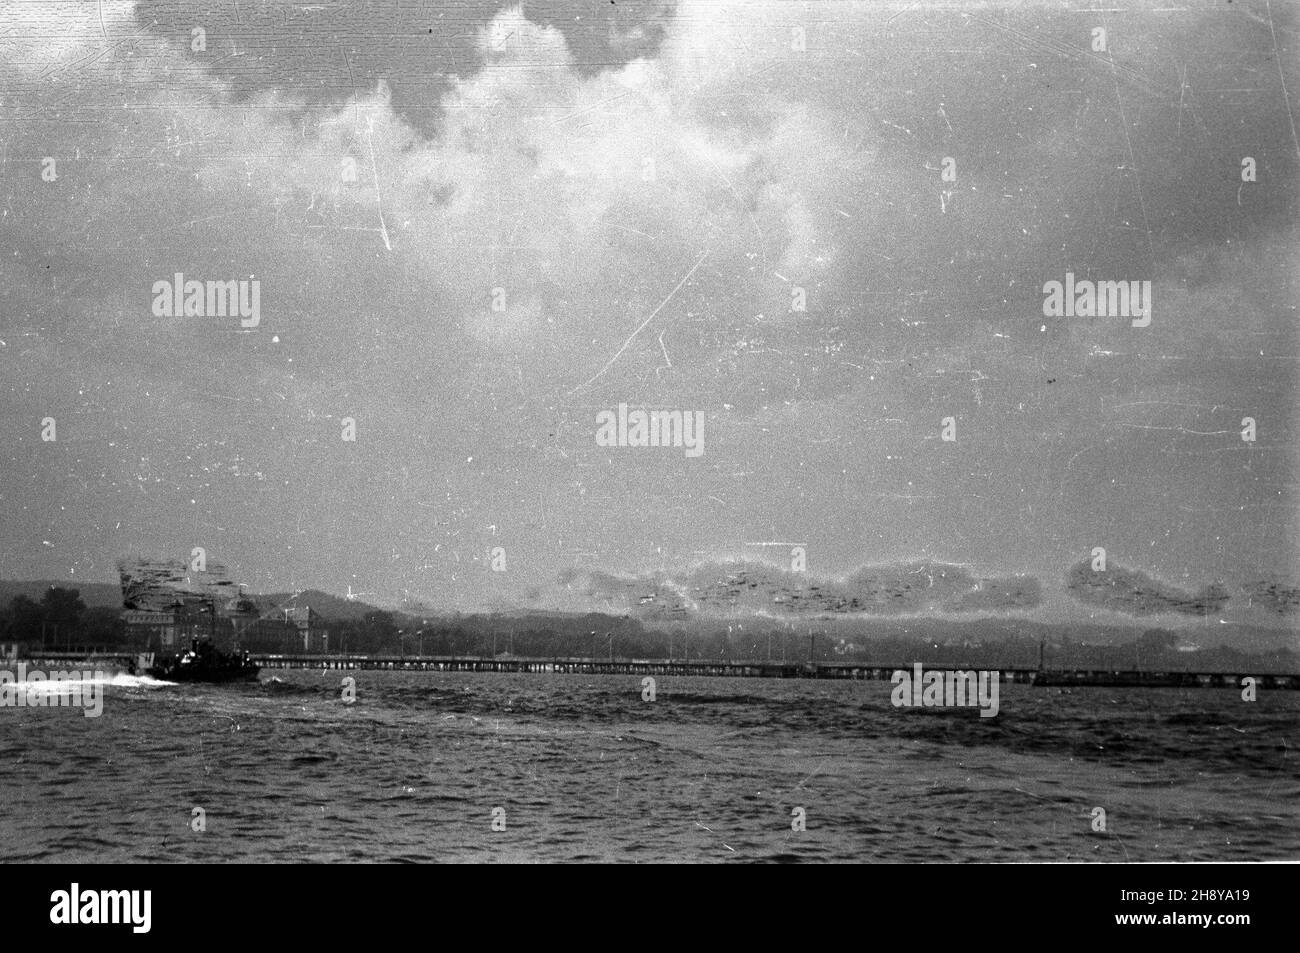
(198, 673)
(203, 663)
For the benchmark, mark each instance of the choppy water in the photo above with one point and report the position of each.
(586, 770)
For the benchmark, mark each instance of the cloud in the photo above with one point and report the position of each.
(753, 588)
(1276, 597)
(382, 210)
(1133, 592)
(583, 196)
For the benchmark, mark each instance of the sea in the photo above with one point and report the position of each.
(465, 767)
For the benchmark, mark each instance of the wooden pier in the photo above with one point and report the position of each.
(715, 668)
(711, 668)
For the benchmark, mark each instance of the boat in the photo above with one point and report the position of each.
(203, 663)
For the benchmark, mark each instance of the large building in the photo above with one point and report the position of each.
(298, 631)
(165, 607)
(154, 630)
(293, 631)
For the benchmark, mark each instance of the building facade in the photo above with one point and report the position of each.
(168, 604)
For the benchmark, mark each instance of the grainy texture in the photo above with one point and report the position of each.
(870, 332)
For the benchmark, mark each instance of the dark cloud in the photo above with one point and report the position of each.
(1134, 592)
(1276, 597)
(754, 588)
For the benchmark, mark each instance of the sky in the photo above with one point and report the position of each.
(477, 226)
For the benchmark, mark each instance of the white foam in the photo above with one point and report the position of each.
(123, 680)
(116, 679)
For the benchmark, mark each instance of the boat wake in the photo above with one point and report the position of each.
(116, 680)
(123, 680)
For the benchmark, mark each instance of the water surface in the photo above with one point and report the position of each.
(584, 769)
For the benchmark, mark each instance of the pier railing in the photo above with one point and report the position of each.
(705, 667)
(762, 669)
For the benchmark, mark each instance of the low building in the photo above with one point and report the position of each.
(315, 638)
(269, 635)
(295, 631)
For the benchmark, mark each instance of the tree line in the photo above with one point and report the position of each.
(60, 619)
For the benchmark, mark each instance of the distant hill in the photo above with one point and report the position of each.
(334, 608)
